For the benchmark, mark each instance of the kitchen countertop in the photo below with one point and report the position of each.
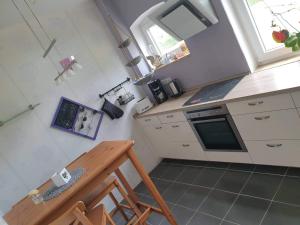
(276, 80)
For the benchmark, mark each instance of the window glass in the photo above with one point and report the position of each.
(270, 15)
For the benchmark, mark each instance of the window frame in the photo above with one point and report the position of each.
(246, 20)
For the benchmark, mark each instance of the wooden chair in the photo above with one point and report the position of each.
(141, 211)
(77, 215)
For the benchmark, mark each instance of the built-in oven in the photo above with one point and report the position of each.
(215, 129)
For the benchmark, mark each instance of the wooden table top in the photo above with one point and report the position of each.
(94, 162)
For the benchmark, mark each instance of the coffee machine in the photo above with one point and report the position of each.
(158, 91)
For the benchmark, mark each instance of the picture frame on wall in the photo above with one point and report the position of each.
(76, 118)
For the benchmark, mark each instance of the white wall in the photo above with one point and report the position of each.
(31, 151)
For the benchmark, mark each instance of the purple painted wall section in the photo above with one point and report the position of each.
(215, 52)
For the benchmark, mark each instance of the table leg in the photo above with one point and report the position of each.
(151, 187)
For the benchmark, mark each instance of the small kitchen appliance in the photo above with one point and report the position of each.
(158, 91)
(172, 87)
(143, 105)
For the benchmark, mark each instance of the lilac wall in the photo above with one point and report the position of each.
(215, 52)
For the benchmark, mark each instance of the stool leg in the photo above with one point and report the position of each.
(134, 207)
(113, 198)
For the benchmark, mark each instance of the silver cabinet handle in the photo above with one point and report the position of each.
(255, 103)
(262, 117)
(158, 128)
(170, 116)
(147, 120)
(273, 145)
(185, 145)
(175, 126)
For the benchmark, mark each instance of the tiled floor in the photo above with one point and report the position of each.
(206, 193)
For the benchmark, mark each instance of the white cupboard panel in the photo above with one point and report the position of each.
(283, 124)
(185, 150)
(235, 157)
(296, 98)
(275, 152)
(180, 131)
(150, 120)
(172, 117)
(262, 104)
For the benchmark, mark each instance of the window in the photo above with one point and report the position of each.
(162, 41)
(260, 18)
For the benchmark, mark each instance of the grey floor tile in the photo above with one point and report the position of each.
(155, 218)
(181, 214)
(242, 167)
(146, 199)
(193, 197)
(141, 188)
(233, 181)
(227, 223)
(248, 210)
(159, 170)
(208, 177)
(289, 191)
(174, 192)
(282, 214)
(161, 185)
(292, 171)
(172, 172)
(189, 174)
(262, 185)
(218, 203)
(201, 219)
(278, 170)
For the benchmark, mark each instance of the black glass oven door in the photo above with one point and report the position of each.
(217, 134)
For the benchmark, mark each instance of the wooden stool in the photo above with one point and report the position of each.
(141, 210)
(77, 214)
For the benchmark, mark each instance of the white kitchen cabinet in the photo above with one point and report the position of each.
(283, 124)
(172, 117)
(275, 152)
(235, 157)
(180, 131)
(185, 150)
(296, 98)
(149, 120)
(261, 104)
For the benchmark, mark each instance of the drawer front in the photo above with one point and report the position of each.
(150, 120)
(263, 104)
(185, 150)
(296, 98)
(235, 157)
(275, 152)
(180, 131)
(156, 133)
(283, 124)
(172, 117)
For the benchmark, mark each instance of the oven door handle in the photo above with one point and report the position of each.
(207, 121)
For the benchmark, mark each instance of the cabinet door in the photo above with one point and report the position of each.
(275, 152)
(283, 124)
(180, 131)
(186, 150)
(262, 104)
(149, 120)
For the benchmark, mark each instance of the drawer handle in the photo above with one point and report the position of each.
(185, 145)
(262, 117)
(158, 128)
(274, 145)
(170, 116)
(147, 120)
(175, 126)
(255, 103)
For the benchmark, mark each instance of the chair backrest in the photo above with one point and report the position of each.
(74, 216)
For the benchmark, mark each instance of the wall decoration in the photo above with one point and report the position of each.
(77, 119)
(70, 65)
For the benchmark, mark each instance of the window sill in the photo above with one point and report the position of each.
(175, 61)
(277, 64)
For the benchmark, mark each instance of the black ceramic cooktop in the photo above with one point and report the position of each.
(213, 92)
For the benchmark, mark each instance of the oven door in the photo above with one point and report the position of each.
(218, 133)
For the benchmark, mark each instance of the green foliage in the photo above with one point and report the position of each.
(293, 42)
